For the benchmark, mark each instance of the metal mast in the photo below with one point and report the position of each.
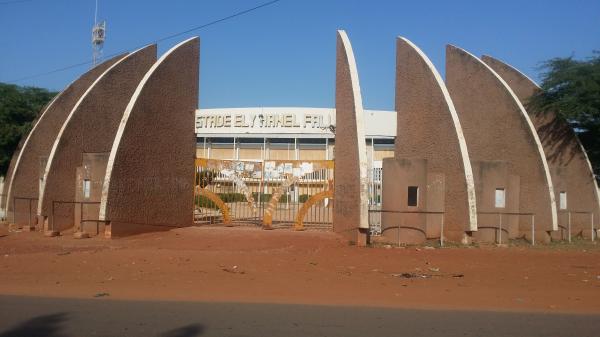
(98, 37)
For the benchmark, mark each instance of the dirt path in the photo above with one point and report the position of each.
(280, 266)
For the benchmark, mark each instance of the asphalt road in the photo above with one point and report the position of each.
(32, 317)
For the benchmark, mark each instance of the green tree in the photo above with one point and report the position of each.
(571, 88)
(19, 106)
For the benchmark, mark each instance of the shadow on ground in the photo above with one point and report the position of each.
(191, 330)
(53, 326)
(41, 326)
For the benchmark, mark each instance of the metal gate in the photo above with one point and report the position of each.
(269, 193)
(375, 200)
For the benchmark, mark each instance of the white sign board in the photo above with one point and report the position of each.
(265, 121)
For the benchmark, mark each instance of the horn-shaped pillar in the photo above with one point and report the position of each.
(350, 213)
(512, 178)
(149, 181)
(77, 162)
(25, 172)
(431, 159)
(575, 187)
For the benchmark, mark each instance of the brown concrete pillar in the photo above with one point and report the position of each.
(149, 181)
(498, 131)
(350, 213)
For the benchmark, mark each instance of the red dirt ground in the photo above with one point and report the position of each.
(280, 266)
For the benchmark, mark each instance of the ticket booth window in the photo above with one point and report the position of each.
(413, 196)
(87, 186)
(563, 200)
(500, 198)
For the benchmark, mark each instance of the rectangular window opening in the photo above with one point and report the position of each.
(563, 200)
(500, 198)
(413, 196)
(87, 186)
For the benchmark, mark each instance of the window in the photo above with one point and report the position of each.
(563, 200)
(413, 196)
(500, 198)
(221, 140)
(383, 144)
(87, 186)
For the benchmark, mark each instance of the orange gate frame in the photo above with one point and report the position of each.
(299, 223)
(267, 220)
(222, 206)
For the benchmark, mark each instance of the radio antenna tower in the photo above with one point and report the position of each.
(98, 37)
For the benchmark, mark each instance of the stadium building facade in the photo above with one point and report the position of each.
(285, 133)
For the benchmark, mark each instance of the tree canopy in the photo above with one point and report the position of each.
(19, 106)
(571, 88)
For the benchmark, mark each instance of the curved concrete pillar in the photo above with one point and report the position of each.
(89, 129)
(570, 167)
(23, 179)
(15, 157)
(509, 165)
(149, 182)
(13, 162)
(430, 153)
(2, 210)
(350, 212)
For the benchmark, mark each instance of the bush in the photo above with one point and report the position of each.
(266, 197)
(202, 201)
(263, 197)
(303, 198)
(232, 197)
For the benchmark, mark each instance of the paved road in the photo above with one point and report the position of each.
(32, 317)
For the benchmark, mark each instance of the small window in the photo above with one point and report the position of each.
(500, 198)
(563, 200)
(413, 196)
(87, 185)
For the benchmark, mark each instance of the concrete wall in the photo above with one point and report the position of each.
(490, 175)
(430, 153)
(149, 182)
(90, 128)
(25, 178)
(350, 215)
(497, 128)
(398, 175)
(93, 170)
(570, 168)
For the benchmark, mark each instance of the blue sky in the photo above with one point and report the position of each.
(284, 54)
